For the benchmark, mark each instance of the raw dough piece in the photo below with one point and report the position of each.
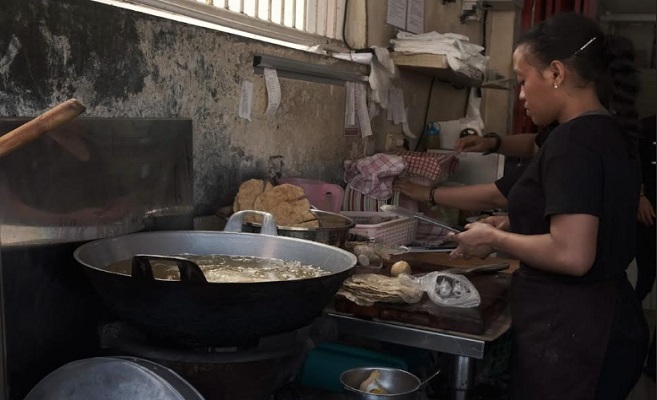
(400, 267)
(372, 385)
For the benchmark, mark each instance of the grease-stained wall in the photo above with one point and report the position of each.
(121, 63)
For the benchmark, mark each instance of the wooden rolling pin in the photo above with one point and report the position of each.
(45, 122)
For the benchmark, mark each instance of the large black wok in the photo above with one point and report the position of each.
(195, 312)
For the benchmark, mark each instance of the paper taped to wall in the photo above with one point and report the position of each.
(246, 100)
(361, 111)
(273, 91)
(350, 104)
(396, 13)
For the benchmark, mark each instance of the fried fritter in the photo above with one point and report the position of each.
(286, 202)
(247, 194)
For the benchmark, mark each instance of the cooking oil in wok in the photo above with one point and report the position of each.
(230, 269)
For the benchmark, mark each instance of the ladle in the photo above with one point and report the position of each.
(424, 382)
(36, 127)
(406, 213)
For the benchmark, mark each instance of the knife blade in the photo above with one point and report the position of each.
(480, 269)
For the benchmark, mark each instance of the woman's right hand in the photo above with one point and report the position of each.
(474, 143)
(475, 241)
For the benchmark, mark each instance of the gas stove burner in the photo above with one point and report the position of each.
(253, 372)
(121, 335)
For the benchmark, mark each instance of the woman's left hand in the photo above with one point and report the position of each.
(497, 221)
(411, 189)
(474, 241)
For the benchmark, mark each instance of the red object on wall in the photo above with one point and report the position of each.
(533, 12)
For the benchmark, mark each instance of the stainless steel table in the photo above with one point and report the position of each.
(464, 347)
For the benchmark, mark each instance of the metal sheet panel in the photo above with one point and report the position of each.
(93, 178)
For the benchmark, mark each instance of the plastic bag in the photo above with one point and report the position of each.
(445, 289)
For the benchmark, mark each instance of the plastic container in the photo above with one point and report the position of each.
(449, 133)
(432, 135)
(393, 231)
(325, 196)
(357, 201)
(326, 362)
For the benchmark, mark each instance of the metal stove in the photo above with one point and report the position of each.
(255, 372)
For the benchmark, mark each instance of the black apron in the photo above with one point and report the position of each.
(566, 337)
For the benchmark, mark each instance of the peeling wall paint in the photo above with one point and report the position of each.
(121, 63)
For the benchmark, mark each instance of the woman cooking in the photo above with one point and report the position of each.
(578, 330)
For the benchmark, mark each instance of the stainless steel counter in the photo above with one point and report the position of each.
(464, 347)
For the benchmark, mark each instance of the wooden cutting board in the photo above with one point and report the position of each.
(493, 289)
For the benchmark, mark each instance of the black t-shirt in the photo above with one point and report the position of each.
(511, 176)
(513, 173)
(542, 136)
(584, 167)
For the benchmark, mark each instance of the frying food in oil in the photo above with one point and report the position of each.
(231, 269)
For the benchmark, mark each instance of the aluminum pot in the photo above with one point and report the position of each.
(333, 229)
(195, 312)
(113, 378)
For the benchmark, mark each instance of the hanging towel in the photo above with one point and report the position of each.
(435, 167)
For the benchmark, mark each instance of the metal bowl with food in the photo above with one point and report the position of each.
(192, 310)
(378, 383)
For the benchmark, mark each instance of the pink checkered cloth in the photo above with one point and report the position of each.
(373, 175)
(430, 235)
(432, 166)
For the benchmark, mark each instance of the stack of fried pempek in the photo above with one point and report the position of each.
(286, 202)
(367, 289)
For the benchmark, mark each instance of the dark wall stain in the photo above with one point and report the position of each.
(37, 71)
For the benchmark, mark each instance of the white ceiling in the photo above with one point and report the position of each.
(628, 6)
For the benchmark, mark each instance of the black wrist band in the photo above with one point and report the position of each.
(431, 193)
(498, 142)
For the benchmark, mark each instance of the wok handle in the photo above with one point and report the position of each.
(190, 272)
(236, 220)
(45, 122)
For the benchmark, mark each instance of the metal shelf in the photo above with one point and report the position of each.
(436, 65)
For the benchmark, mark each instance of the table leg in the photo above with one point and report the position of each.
(462, 377)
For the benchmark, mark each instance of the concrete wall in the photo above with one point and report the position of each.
(121, 63)
(126, 64)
